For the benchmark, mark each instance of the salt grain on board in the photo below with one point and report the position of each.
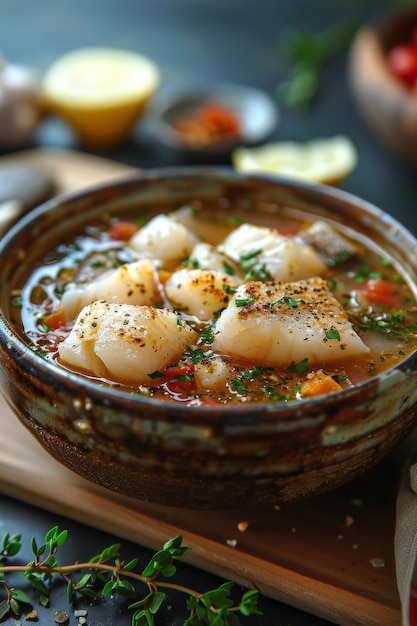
(378, 562)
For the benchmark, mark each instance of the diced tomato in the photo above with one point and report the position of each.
(180, 379)
(122, 231)
(402, 61)
(382, 292)
(291, 228)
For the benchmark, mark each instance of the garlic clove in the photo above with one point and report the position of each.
(20, 104)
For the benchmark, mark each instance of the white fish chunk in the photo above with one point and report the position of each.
(329, 242)
(163, 238)
(264, 249)
(125, 343)
(199, 293)
(274, 324)
(205, 256)
(212, 374)
(131, 283)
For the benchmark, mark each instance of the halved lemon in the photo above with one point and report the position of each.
(100, 92)
(327, 160)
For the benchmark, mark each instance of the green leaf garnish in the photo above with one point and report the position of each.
(300, 367)
(333, 333)
(106, 574)
(292, 302)
(156, 374)
(243, 301)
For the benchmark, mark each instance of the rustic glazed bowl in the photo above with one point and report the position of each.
(215, 457)
(387, 105)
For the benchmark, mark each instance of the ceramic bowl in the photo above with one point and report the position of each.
(255, 111)
(385, 103)
(207, 457)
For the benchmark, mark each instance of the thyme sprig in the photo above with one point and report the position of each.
(106, 574)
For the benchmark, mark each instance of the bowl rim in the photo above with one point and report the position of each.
(16, 345)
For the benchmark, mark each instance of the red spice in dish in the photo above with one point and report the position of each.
(211, 123)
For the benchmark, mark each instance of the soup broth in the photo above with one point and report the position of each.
(220, 303)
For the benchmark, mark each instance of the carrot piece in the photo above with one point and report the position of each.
(55, 320)
(319, 384)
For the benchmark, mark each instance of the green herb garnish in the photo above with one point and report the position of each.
(229, 289)
(106, 574)
(243, 301)
(156, 374)
(333, 333)
(300, 367)
(393, 325)
(308, 55)
(292, 302)
(239, 386)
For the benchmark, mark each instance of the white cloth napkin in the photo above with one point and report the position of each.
(405, 542)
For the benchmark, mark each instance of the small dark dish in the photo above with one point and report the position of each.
(387, 105)
(256, 112)
(211, 456)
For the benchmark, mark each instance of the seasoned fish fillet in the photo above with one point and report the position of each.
(265, 250)
(274, 324)
(131, 283)
(163, 238)
(125, 342)
(205, 256)
(199, 293)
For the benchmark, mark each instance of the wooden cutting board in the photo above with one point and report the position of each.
(332, 556)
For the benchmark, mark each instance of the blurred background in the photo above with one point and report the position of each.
(215, 41)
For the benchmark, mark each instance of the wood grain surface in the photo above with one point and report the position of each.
(332, 555)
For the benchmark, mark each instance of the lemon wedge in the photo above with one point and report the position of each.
(327, 160)
(100, 92)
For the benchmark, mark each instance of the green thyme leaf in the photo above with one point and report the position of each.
(105, 574)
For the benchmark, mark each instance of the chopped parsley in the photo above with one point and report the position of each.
(230, 271)
(292, 302)
(236, 384)
(342, 256)
(156, 374)
(393, 325)
(300, 367)
(243, 301)
(248, 259)
(365, 273)
(207, 335)
(333, 333)
(258, 274)
(198, 355)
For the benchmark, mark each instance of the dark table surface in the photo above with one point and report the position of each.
(193, 42)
